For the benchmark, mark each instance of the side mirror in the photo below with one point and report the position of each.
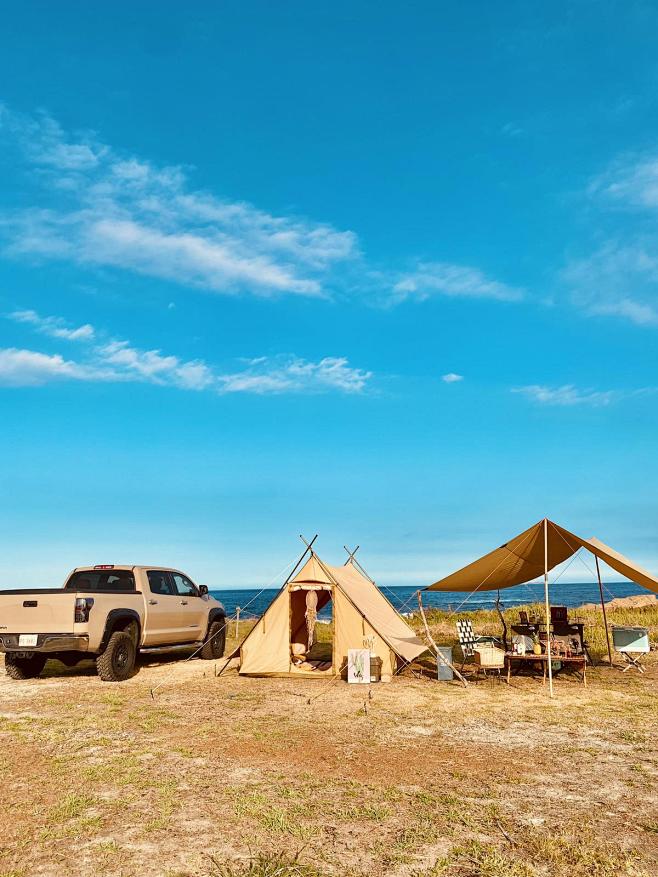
(203, 590)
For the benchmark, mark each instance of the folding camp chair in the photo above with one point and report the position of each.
(629, 641)
(469, 642)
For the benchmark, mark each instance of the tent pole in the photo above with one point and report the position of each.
(605, 619)
(236, 650)
(548, 611)
(439, 656)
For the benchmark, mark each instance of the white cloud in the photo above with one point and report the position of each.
(119, 361)
(113, 210)
(452, 378)
(24, 368)
(630, 183)
(186, 258)
(54, 326)
(153, 367)
(442, 278)
(95, 206)
(567, 395)
(296, 375)
(620, 277)
(617, 280)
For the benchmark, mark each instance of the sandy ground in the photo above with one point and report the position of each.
(177, 772)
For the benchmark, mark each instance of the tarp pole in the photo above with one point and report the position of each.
(605, 619)
(548, 611)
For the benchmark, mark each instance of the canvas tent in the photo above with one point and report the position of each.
(362, 618)
(535, 552)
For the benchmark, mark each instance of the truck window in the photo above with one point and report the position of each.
(160, 582)
(184, 586)
(102, 580)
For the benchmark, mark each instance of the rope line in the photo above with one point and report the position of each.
(228, 619)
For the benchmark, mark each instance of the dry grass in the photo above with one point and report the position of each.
(232, 777)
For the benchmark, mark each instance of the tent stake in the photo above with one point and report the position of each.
(548, 611)
(439, 656)
(605, 619)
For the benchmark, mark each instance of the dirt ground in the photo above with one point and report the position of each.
(180, 773)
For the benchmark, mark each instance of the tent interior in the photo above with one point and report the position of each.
(307, 652)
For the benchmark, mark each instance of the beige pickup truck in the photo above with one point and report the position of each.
(109, 613)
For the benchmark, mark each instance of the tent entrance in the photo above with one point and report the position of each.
(311, 639)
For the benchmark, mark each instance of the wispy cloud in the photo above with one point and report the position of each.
(630, 182)
(120, 361)
(296, 375)
(29, 368)
(619, 278)
(442, 278)
(119, 211)
(54, 326)
(95, 206)
(452, 378)
(567, 395)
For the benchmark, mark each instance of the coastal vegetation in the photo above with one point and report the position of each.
(180, 772)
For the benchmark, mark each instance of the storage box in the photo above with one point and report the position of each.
(490, 657)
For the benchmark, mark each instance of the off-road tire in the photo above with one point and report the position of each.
(117, 662)
(215, 642)
(24, 668)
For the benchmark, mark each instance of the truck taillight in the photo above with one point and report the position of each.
(83, 608)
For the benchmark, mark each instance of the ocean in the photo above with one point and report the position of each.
(254, 602)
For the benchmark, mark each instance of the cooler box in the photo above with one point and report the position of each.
(631, 639)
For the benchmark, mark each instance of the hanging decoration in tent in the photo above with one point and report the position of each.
(311, 615)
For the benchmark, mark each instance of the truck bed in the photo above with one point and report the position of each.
(52, 610)
(18, 591)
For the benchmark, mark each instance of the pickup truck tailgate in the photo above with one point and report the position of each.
(42, 611)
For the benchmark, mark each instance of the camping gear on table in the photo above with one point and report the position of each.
(559, 615)
(515, 663)
(629, 641)
(362, 617)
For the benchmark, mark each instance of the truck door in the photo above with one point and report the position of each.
(167, 622)
(194, 610)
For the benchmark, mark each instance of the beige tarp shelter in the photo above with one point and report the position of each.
(362, 618)
(534, 552)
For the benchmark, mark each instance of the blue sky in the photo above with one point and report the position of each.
(385, 273)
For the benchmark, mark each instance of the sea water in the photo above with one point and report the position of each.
(253, 602)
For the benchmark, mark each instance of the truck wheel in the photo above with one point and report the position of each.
(118, 660)
(213, 647)
(24, 668)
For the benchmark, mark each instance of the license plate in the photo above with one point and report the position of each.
(27, 639)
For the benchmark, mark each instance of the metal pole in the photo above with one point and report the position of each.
(237, 621)
(605, 619)
(548, 611)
